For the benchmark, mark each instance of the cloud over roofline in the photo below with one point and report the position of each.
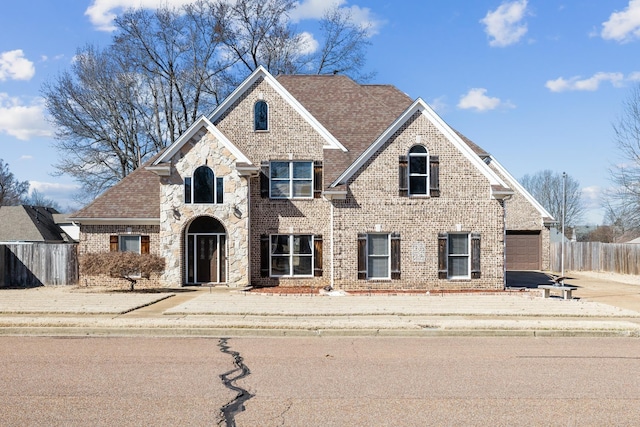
(478, 100)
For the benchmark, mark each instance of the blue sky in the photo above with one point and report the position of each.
(537, 83)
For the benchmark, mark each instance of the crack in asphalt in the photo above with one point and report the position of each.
(235, 406)
(284, 413)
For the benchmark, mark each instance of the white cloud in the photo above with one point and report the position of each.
(315, 9)
(26, 157)
(577, 83)
(14, 66)
(477, 99)
(101, 13)
(308, 44)
(23, 121)
(63, 194)
(439, 104)
(504, 25)
(623, 26)
(592, 197)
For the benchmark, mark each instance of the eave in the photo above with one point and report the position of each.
(117, 221)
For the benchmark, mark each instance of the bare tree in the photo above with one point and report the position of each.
(11, 190)
(623, 201)
(118, 106)
(547, 188)
(36, 198)
(345, 45)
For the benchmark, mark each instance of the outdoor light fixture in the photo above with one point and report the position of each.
(237, 212)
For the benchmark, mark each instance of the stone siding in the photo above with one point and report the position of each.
(176, 215)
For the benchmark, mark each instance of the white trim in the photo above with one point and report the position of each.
(388, 256)
(189, 133)
(291, 254)
(139, 236)
(426, 176)
(331, 141)
(513, 183)
(114, 221)
(160, 170)
(291, 180)
(219, 261)
(420, 106)
(468, 255)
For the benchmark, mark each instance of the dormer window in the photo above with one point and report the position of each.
(204, 187)
(261, 116)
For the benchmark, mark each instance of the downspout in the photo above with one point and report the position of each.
(504, 242)
(249, 231)
(331, 267)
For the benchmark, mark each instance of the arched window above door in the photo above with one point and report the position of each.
(203, 187)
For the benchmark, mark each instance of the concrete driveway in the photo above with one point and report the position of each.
(527, 279)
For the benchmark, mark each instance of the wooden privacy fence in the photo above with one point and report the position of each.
(595, 256)
(38, 264)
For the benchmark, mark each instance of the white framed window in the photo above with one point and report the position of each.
(458, 256)
(418, 171)
(291, 255)
(129, 243)
(291, 180)
(203, 187)
(378, 256)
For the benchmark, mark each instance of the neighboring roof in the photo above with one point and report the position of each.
(29, 224)
(135, 197)
(355, 114)
(635, 241)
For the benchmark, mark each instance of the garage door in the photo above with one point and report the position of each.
(523, 250)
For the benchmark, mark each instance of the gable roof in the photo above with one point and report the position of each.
(170, 151)
(262, 73)
(513, 183)
(419, 106)
(135, 199)
(354, 114)
(24, 223)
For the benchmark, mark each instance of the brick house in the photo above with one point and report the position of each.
(306, 180)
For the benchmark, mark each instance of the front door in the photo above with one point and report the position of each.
(206, 252)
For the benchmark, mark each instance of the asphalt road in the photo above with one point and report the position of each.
(320, 381)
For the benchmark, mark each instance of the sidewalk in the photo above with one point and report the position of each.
(602, 308)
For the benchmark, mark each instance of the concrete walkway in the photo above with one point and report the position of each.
(601, 308)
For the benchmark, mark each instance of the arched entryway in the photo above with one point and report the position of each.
(206, 251)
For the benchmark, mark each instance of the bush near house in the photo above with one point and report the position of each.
(125, 265)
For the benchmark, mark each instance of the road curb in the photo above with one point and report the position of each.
(258, 332)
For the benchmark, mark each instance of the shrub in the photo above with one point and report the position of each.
(126, 265)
